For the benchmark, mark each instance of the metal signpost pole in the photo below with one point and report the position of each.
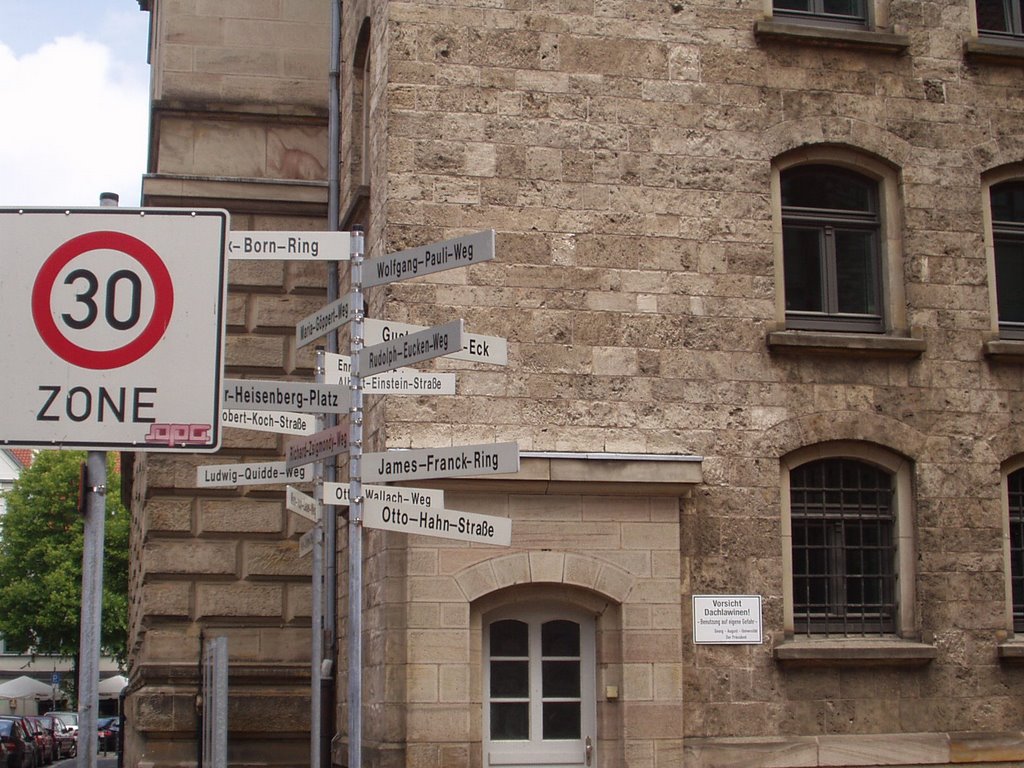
(92, 592)
(317, 652)
(92, 606)
(330, 511)
(355, 516)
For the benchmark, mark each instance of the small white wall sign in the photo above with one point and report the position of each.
(727, 619)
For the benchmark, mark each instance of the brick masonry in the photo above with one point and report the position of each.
(624, 153)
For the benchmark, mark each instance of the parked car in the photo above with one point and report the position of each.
(65, 738)
(70, 719)
(44, 738)
(30, 732)
(21, 746)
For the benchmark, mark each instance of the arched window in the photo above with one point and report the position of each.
(831, 232)
(844, 548)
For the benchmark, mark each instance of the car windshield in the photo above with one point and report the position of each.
(68, 718)
(5, 727)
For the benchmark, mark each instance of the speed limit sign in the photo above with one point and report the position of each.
(112, 327)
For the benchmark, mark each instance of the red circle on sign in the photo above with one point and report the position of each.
(127, 353)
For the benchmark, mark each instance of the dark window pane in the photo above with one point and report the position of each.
(1010, 280)
(561, 679)
(561, 720)
(1008, 202)
(856, 280)
(993, 15)
(560, 638)
(802, 255)
(825, 187)
(1015, 491)
(851, 8)
(793, 5)
(509, 638)
(510, 679)
(510, 722)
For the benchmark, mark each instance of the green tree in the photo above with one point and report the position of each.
(41, 560)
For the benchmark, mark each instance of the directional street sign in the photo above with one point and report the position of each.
(457, 461)
(289, 246)
(442, 523)
(478, 349)
(302, 504)
(414, 348)
(324, 320)
(323, 445)
(337, 494)
(308, 540)
(426, 259)
(262, 473)
(111, 325)
(296, 396)
(401, 381)
(281, 422)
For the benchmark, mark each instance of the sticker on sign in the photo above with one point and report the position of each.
(111, 321)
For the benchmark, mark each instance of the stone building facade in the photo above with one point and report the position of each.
(759, 269)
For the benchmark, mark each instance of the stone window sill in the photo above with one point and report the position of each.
(994, 50)
(1012, 651)
(864, 345)
(854, 652)
(1005, 350)
(810, 34)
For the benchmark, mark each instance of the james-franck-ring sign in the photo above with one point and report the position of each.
(111, 320)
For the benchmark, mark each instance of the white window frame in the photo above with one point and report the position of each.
(536, 751)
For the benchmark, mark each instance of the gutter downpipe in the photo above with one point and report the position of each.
(330, 522)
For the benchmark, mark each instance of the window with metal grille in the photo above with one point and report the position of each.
(1000, 18)
(1015, 491)
(831, 11)
(844, 551)
(830, 248)
(1007, 201)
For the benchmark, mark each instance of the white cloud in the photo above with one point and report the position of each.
(72, 128)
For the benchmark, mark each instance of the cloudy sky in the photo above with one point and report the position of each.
(74, 85)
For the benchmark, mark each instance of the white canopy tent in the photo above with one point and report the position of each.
(25, 687)
(111, 687)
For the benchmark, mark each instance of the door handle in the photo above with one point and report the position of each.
(588, 749)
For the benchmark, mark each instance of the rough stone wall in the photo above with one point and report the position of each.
(623, 151)
(239, 122)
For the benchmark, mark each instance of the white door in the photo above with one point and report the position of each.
(540, 707)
